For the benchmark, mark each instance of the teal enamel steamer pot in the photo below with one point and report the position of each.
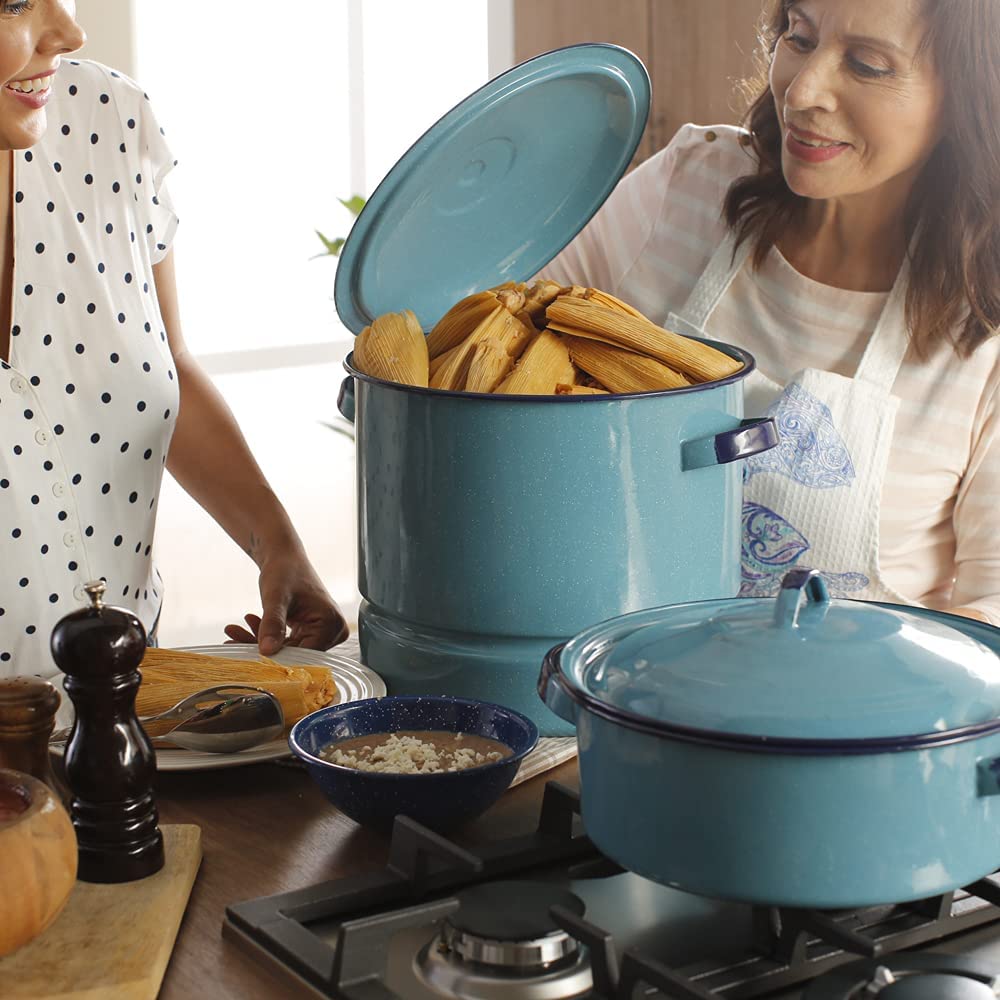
(802, 751)
(491, 527)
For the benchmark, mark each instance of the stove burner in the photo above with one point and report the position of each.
(908, 976)
(502, 944)
(936, 986)
(507, 925)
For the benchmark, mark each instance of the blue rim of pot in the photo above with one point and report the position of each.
(749, 364)
(749, 742)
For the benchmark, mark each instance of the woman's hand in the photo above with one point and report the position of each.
(298, 611)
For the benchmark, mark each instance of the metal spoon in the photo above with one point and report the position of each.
(229, 726)
(193, 703)
(242, 716)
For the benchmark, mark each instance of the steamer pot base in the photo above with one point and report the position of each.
(498, 669)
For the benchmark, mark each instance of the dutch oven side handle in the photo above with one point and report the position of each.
(987, 776)
(751, 438)
(345, 399)
(552, 686)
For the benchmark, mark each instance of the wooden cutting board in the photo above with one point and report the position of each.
(111, 942)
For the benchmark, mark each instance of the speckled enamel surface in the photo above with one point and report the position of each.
(821, 831)
(827, 830)
(439, 801)
(492, 527)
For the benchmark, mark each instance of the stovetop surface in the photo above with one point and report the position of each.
(370, 937)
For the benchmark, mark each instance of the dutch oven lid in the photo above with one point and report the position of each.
(799, 667)
(497, 187)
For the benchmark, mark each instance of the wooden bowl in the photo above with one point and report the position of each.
(38, 857)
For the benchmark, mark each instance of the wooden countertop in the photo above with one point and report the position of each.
(267, 828)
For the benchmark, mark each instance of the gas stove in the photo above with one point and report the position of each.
(547, 917)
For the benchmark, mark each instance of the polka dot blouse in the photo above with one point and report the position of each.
(88, 396)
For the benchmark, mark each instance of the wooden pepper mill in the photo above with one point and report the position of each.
(110, 762)
(28, 708)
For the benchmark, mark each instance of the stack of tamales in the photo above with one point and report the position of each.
(169, 675)
(541, 339)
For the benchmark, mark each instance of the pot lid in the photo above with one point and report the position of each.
(798, 667)
(497, 187)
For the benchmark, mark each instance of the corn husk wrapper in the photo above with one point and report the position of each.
(459, 321)
(442, 359)
(612, 302)
(582, 317)
(394, 348)
(169, 675)
(580, 390)
(538, 297)
(512, 299)
(508, 334)
(464, 316)
(488, 367)
(621, 370)
(544, 365)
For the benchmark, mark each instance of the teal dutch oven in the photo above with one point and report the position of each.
(797, 751)
(491, 527)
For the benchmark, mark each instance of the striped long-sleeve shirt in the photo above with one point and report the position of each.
(939, 536)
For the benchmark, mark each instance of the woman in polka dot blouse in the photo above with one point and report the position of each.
(98, 392)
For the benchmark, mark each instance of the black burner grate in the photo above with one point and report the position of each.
(425, 870)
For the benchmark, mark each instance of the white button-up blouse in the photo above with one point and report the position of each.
(88, 396)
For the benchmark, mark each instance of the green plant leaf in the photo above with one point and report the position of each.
(333, 247)
(354, 204)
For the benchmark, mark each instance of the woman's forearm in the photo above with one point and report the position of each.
(208, 454)
(210, 459)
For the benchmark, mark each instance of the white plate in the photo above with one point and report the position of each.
(354, 683)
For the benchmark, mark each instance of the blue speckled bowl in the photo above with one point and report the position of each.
(439, 801)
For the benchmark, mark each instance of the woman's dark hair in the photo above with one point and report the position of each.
(954, 289)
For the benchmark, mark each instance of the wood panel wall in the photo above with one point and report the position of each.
(696, 51)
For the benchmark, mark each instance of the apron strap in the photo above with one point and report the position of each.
(715, 281)
(890, 340)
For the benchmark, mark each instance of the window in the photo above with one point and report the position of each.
(274, 116)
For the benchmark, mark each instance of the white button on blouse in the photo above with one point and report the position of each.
(93, 394)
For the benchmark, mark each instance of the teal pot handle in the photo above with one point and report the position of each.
(751, 438)
(988, 776)
(345, 399)
(552, 687)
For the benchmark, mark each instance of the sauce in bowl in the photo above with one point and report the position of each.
(415, 751)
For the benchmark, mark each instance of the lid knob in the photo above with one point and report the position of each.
(797, 587)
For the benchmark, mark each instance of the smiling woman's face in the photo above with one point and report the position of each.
(858, 100)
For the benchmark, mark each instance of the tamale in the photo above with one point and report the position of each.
(489, 365)
(582, 317)
(544, 364)
(539, 295)
(393, 348)
(168, 675)
(612, 302)
(509, 334)
(512, 299)
(459, 321)
(580, 390)
(453, 373)
(621, 370)
(441, 359)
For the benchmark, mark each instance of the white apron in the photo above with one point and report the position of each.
(814, 500)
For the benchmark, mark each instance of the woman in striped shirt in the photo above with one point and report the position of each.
(850, 240)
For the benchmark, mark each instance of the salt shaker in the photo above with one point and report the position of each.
(110, 762)
(27, 717)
